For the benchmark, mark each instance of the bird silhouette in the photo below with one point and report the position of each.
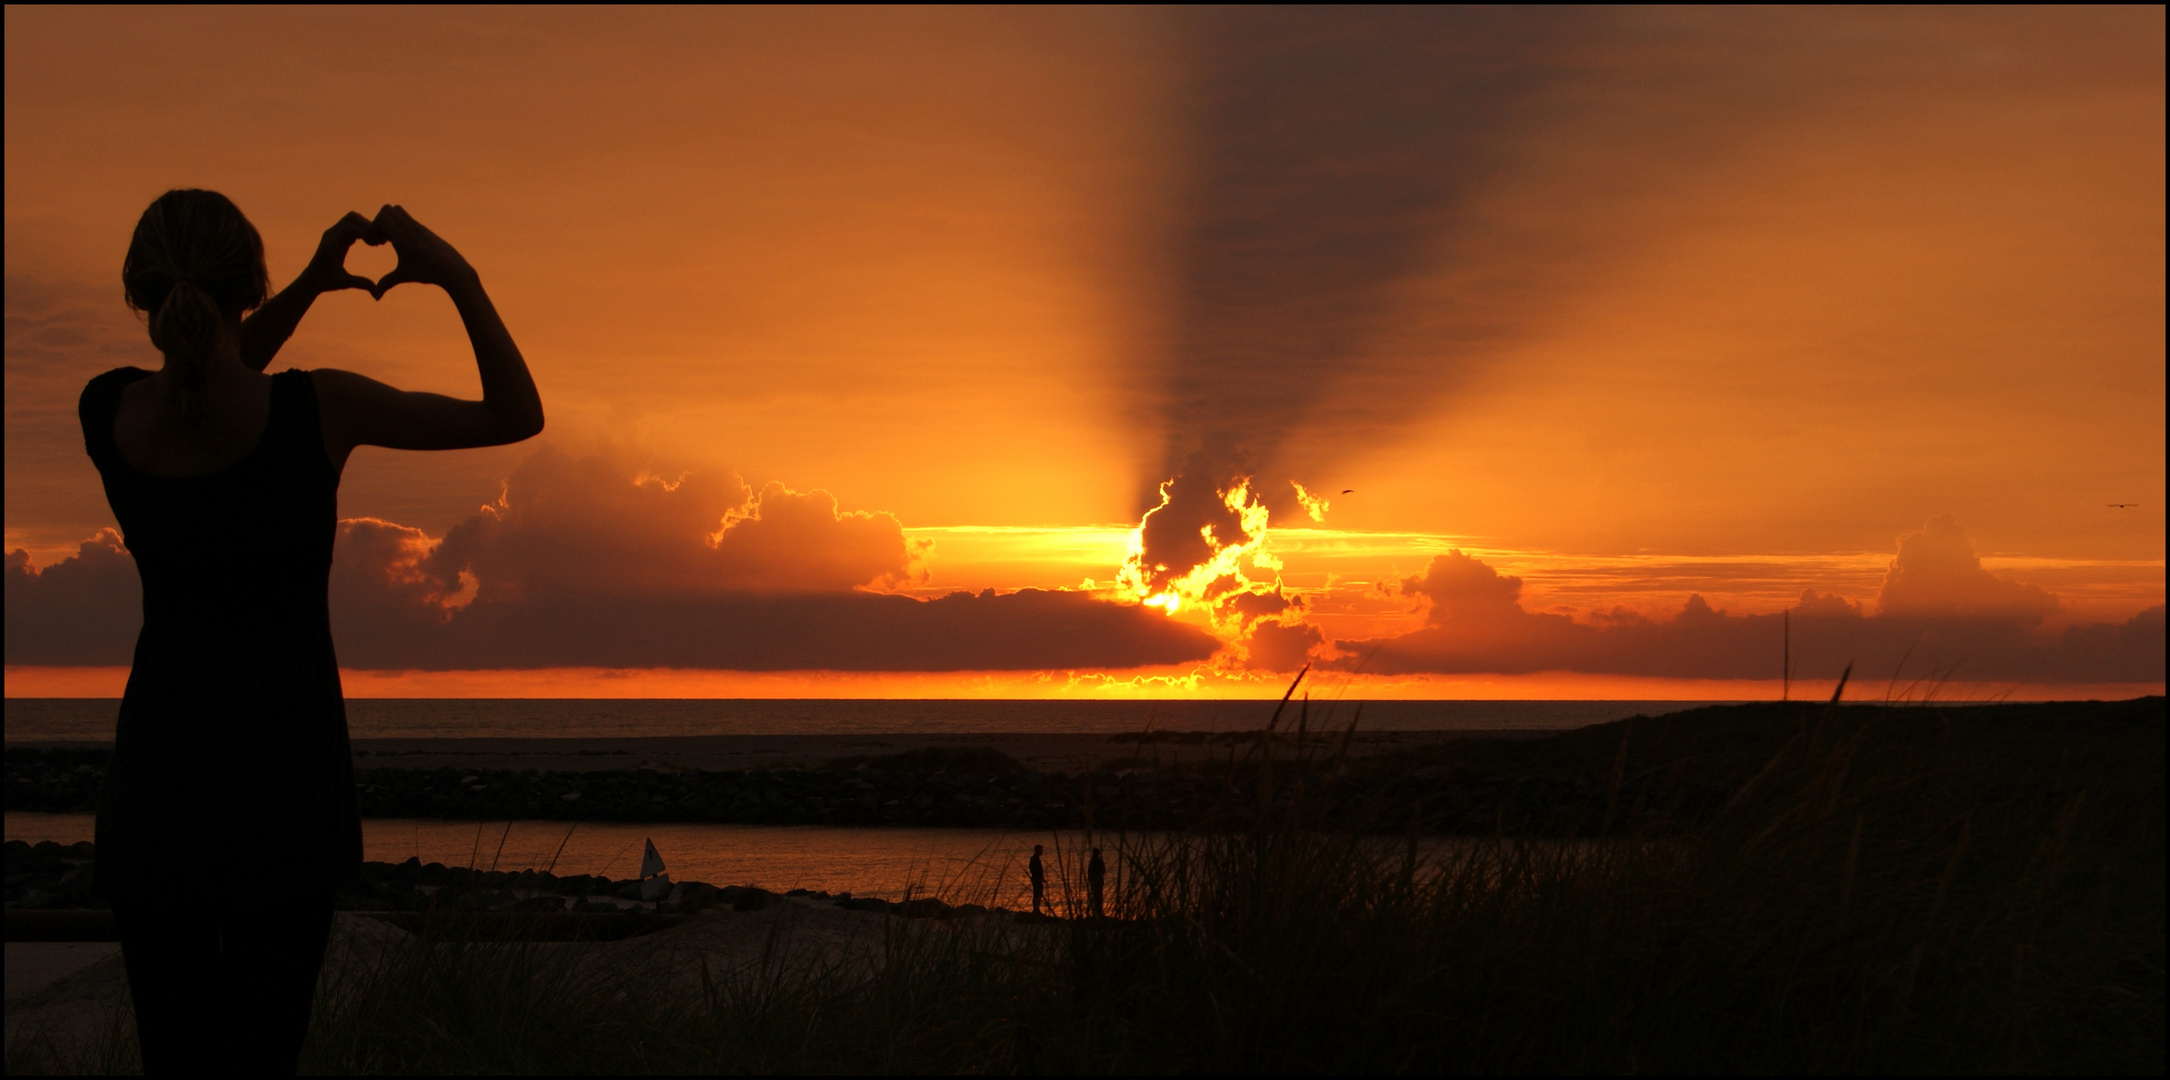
(1348, 491)
(2121, 506)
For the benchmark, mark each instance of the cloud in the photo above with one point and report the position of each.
(1281, 646)
(1940, 613)
(588, 562)
(1937, 573)
(1817, 605)
(1202, 532)
(1463, 590)
(599, 524)
(1260, 604)
(1030, 629)
(84, 610)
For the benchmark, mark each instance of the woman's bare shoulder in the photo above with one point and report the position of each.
(105, 388)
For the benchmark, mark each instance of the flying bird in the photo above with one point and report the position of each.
(1348, 491)
(2114, 506)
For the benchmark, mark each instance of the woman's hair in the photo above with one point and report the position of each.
(194, 262)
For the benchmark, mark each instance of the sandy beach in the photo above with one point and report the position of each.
(71, 991)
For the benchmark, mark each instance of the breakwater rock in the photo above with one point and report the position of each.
(49, 876)
(947, 787)
(55, 781)
(977, 787)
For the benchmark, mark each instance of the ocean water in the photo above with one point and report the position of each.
(92, 719)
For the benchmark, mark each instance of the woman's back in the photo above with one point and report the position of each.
(232, 730)
(246, 542)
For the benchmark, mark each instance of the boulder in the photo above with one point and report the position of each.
(696, 896)
(749, 899)
(925, 907)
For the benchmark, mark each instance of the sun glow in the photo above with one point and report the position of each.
(1312, 504)
(1226, 571)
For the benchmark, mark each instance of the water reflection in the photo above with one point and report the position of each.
(981, 865)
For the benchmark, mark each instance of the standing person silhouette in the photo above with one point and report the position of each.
(1096, 880)
(1038, 873)
(230, 759)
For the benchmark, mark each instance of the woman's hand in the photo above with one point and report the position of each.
(266, 329)
(424, 257)
(360, 411)
(327, 269)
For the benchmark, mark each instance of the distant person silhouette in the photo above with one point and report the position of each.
(1096, 880)
(1038, 871)
(230, 762)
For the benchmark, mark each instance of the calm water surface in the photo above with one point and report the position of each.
(957, 864)
(425, 718)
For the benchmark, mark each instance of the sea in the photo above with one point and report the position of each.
(983, 865)
(92, 719)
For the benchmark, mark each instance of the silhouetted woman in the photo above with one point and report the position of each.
(228, 817)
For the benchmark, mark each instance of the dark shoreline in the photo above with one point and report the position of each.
(1673, 769)
(1021, 780)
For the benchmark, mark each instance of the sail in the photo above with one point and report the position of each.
(651, 863)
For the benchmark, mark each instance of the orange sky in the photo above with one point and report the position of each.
(1629, 306)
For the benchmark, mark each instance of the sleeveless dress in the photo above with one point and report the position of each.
(230, 762)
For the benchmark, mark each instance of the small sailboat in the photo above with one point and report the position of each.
(655, 883)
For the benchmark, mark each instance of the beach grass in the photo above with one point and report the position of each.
(1912, 890)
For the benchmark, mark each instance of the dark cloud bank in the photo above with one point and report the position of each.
(585, 563)
(1940, 614)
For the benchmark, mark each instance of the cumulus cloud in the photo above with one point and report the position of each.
(1273, 645)
(1261, 604)
(83, 610)
(1464, 591)
(586, 561)
(1937, 573)
(1026, 630)
(1940, 612)
(597, 523)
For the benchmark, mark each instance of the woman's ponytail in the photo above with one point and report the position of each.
(194, 262)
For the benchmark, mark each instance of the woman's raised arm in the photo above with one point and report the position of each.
(264, 331)
(360, 411)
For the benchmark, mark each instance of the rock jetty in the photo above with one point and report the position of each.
(984, 788)
(964, 787)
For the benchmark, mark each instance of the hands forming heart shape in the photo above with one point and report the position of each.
(424, 256)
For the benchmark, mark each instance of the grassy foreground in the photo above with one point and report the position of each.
(1883, 890)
